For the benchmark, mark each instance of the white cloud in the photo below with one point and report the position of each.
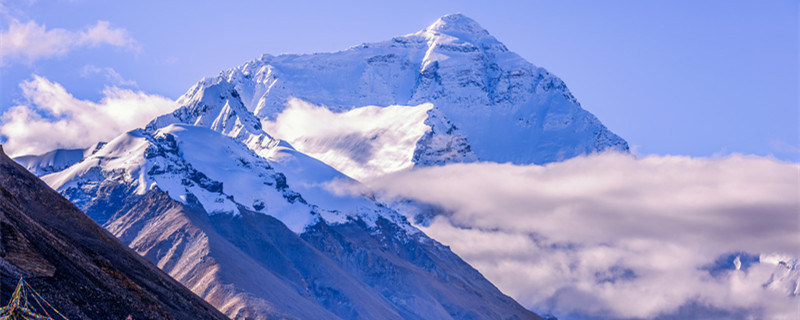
(103, 33)
(361, 142)
(53, 118)
(112, 76)
(31, 41)
(615, 236)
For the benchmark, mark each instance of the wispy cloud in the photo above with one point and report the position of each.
(112, 76)
(615, 236)
(31, 41)
(781, 146)
(53, 118)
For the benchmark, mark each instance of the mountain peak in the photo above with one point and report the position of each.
(457, 25)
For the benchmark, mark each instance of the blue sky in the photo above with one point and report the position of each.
(673, 77)
(689, 78)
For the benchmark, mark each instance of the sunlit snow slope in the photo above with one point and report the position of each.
(489, 104)
(262, 239)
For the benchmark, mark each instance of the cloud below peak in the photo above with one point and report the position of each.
(593, 195)
(613, 236)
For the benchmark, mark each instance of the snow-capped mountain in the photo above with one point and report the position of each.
(488, 103)
(252, 223)
(261, 238)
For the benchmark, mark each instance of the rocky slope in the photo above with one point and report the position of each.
(78, 267)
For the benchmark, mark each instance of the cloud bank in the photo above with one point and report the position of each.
(613, 236)
(31, 41)
(52, 118)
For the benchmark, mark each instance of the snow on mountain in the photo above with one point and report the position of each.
(499, 107)
(218, 107)
(248, 222)
(786, 277)
(55, 160)
(262, 238)
(194, 164)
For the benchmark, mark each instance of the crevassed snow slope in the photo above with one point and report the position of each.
(219, 108)
(505, 108)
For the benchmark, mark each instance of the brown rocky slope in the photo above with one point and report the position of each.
(81, 269)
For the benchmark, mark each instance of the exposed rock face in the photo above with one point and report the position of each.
(74, 264)
(183, 242)
(252, 267)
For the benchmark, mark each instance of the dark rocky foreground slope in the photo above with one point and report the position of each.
(75, 264)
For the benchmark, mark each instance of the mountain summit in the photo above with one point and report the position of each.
(488, 103)
(459, 26)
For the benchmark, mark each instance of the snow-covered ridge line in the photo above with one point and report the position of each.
(198, 166)
(55, 160)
